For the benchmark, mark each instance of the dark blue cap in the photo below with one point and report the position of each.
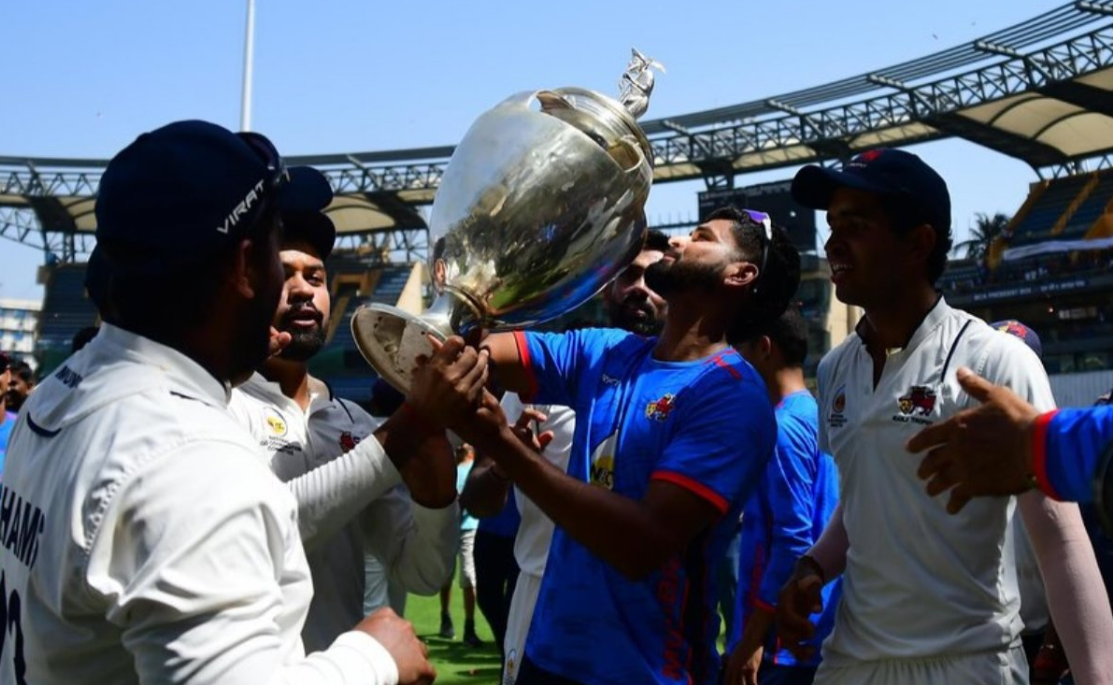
(885, 172)
(1019, 330)
(191, 188)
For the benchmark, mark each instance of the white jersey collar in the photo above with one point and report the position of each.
(935, 316)
(175, 364)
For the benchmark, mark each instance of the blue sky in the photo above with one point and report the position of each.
(82, 79)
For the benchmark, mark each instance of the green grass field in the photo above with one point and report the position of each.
(457, 664)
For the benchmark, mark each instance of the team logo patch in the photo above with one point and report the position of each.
(659, 410)
(348, 442)
(836, 419)
(919, 401)
(275, 423)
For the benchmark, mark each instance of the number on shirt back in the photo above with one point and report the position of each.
(11, 626)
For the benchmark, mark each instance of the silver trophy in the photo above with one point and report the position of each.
(541, 205)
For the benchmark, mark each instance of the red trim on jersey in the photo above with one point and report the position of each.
(762, 605)
(715, 499)
(722, 363)
(1039, 454)
(526, 362)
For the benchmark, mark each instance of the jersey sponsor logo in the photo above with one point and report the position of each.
(348, 442)
(275, 423)
(659, 410)
(836, 419)
(602, 463)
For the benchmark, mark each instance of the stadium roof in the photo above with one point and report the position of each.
(1040, 91)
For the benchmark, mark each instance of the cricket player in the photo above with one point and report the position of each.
(927, 597)
(146, 539)
(302, 426)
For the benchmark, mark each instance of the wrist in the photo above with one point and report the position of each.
(807, 565)
(1036, 453)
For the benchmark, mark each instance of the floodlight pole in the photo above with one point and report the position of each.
(248, 63)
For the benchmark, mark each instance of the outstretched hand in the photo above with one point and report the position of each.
(448, 385)
(982, 451)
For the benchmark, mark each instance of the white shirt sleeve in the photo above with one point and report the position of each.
(199, 563)
(333, 494)
(415, 544)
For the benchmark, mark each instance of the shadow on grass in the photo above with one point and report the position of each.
(457, 663)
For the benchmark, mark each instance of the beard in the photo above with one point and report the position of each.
(667, 279)
(636, 315)
(303, 344)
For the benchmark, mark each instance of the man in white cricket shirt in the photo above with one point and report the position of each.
(302, 426)
(146, 539)
(927, 597)
(632, 306)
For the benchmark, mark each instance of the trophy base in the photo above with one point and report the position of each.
(390, 339)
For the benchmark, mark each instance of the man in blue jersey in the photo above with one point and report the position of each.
(788, 511)
(671, 434)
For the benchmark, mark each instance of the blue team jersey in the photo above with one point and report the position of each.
(795, 499)
(506, 522)
(5, 431)
(706, 426)
(1068, 450)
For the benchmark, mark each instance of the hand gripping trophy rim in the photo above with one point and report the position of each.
(477, 291)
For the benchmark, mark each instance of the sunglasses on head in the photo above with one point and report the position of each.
(766, 239)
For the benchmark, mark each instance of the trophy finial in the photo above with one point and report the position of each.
(636, 84)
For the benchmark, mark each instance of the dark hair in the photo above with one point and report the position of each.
(168, 302)
(776, 284)
(83, 337)
(656, 240)
(789, 332)
(905, 213)
(438, 248)
(23, 370)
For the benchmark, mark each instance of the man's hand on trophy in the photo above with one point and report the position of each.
(448, 385)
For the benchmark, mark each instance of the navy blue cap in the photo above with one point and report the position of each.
(314, 228)
(885, 172)
(1019, 330)
(191, 188)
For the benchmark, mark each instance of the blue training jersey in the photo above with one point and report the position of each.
(505, 523)
(1069, 447)
(794, 500)
(706, 426)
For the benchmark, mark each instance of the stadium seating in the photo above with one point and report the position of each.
(1089, 211)
(66, 310)
(1048, 208)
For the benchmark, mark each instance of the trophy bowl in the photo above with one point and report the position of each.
(542, 204)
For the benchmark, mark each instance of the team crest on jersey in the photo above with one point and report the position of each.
(919, 402)
(348, 442)
(659, 410)
(276, 425)
(836, 419)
